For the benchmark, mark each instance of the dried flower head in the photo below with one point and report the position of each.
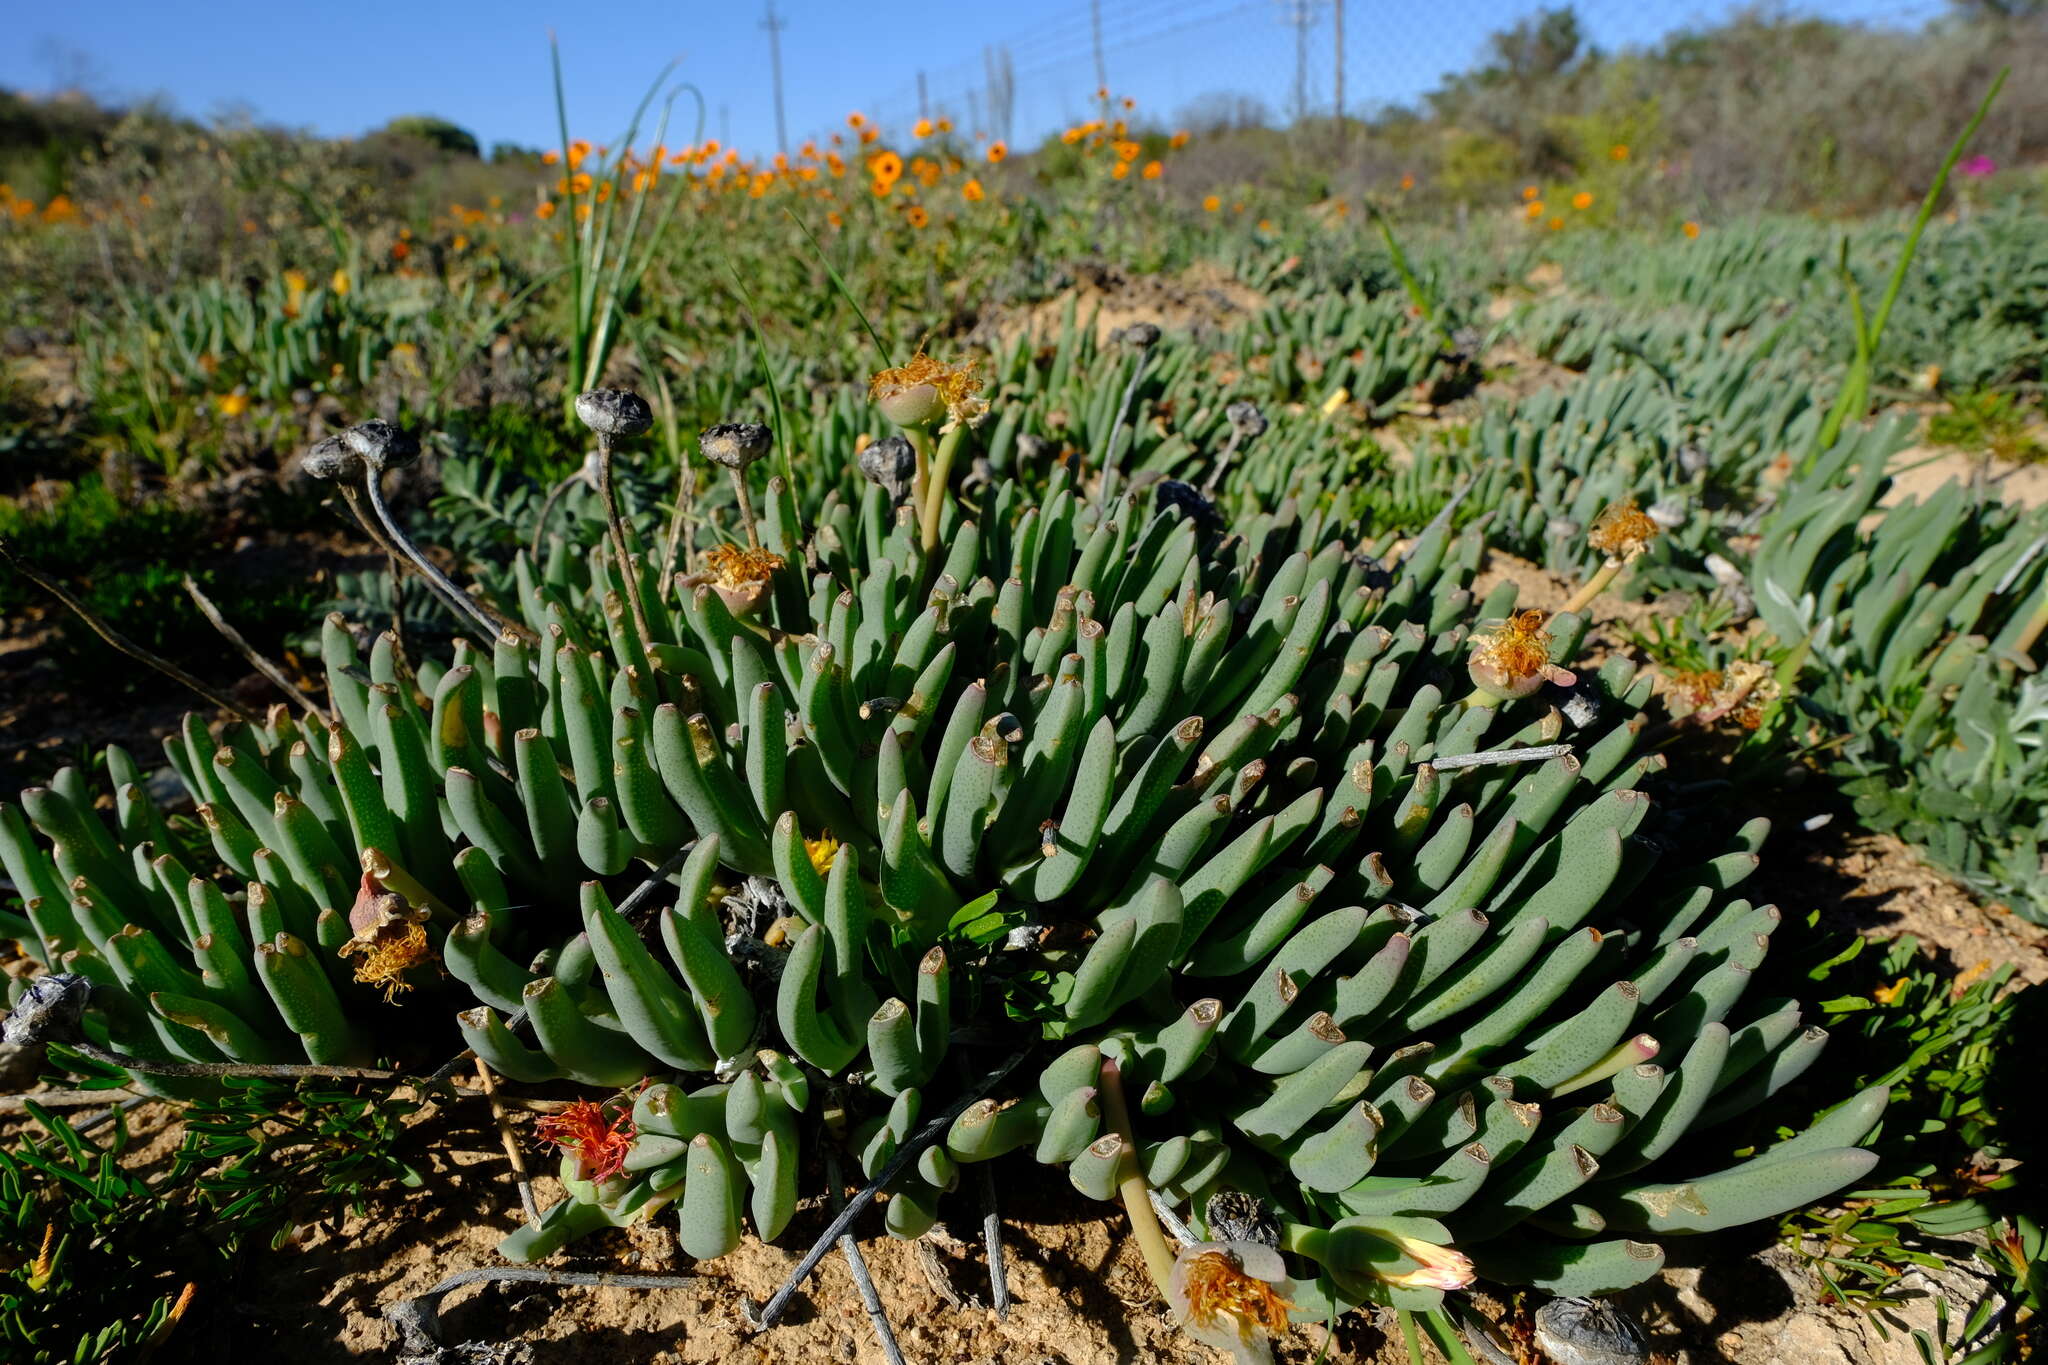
(1694, 688)
(739, 574)
(1246, 421)
(1622, 531)
(1752, 687)
(1225, 1295)
(48, 1011)
(1512, 659)
(330, 459)
(390, 937)
(1139, 336)
(735, 444)
(614, 412)
(890, 463)
(738, 566)
(599, 1139)
(381, 445)
(920, 392)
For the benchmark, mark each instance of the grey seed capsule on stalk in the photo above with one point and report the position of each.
(890, 463)
(381, 445)
(1589, 1332)
(1234, 1216)
(331, 459)
(614, 412)
(735, 444)
(48, 1011)
(1246, 421)
(1139, 335)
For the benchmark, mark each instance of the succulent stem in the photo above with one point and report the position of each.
(618, 533)
(1123, 411)
(1222, 463)
(921, 442)
(454, 596)
(1131, 1185)
(746, 501)
(935, 492)
(1592, 588)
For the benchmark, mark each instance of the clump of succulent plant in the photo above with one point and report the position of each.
(1286, 884)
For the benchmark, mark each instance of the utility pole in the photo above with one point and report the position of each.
(725, 125)
(1340, 74)
(775, 27)
(924, 104)
(1101, 71)
(1300, 20)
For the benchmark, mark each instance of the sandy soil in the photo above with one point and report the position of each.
(1202, 296)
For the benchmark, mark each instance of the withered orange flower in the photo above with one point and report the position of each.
(600, 1140)
(390, 937)
(921, 391)
(1513, 659)
(1622, 531)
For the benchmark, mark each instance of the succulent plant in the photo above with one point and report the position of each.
(1201, 813)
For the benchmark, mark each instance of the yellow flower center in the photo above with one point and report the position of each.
(388, 951)
(1220, 1294)
(956, 385)
(1622, 531)
(738, 566)
(1519, 649)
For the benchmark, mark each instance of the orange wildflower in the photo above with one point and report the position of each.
(599, 1140)
(997, 151)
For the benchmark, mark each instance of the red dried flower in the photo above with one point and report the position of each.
(600, 1139)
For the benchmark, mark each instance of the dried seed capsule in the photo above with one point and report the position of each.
(1588, 1332)
(332, 460)
(381, 445)
(734, 444)
(890, 463)
(614, 412)
(1245, 419)
(1139, 336)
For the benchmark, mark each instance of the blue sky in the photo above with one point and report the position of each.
(342, 69)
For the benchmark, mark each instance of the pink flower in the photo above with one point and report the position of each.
(1977, 167)
(1437, 1267)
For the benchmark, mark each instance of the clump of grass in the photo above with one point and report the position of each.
(1987, 420)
